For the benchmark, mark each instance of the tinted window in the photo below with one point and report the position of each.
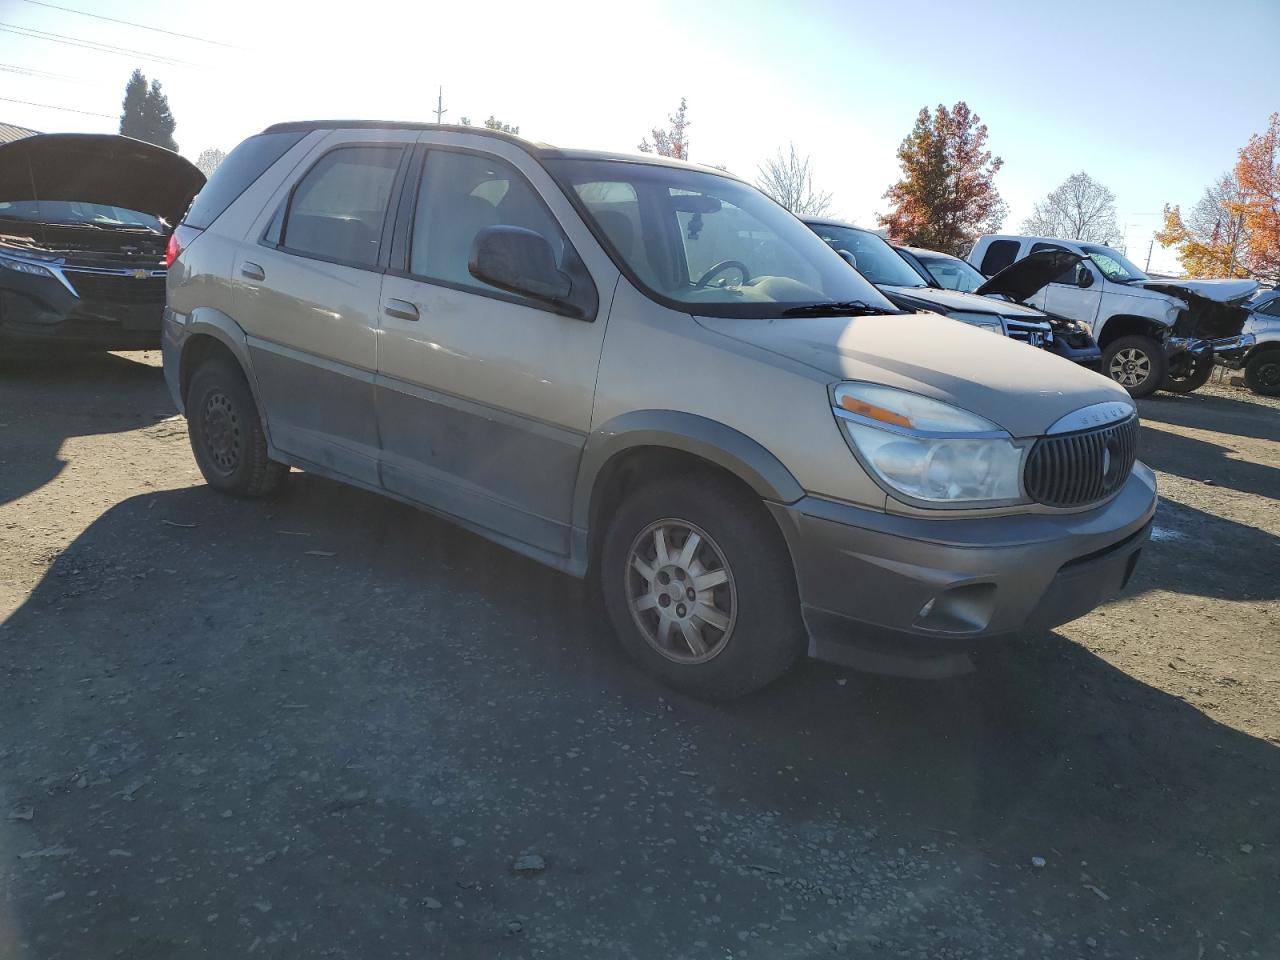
(1271, 307)
(461, 194)
(1071, 275)
(999, 255)
(338, 208)
(872, 255)
(245, 164)
(951, 273)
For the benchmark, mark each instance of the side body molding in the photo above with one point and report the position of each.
(688, 433)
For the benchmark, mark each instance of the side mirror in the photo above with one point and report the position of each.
(1084, 277)
(848, 258)
(518, 261)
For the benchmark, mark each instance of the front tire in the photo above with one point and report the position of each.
(1137, 363)
(699, 586)
(226, 433)
(1188, 374)
(1262, 373)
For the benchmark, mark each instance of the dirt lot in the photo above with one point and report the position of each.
(333, 726)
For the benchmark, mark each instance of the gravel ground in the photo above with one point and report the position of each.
(332, 726)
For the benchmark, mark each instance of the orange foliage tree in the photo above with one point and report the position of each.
(1211, 239)
(1258, 172)
(946, 197)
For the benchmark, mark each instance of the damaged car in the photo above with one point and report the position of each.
(997, 305)
(84, 224)
(1154, 333)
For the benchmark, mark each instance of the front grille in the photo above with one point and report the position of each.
(117, 288)
(1036, 334)
(1078, 468)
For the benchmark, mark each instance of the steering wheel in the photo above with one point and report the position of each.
(722, 266)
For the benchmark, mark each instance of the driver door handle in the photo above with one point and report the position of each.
(400, 309)
(252, 271)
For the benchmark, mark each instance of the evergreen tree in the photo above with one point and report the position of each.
(146, 115)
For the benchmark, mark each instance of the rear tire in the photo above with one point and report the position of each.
(226, 433)
(729, 603)
(1137, 363)
(1262, 373)
(1189, 376)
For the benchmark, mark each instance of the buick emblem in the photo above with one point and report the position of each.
(1106, 462)
(140, 274)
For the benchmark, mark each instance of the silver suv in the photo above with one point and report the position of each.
(648, 372)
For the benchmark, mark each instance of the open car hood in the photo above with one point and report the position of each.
(1024, 279)
(1217, 291)
(99, 168)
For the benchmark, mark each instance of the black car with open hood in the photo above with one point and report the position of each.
(84, 221)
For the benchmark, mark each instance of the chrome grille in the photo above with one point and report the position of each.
(1029, 331)
(1073, 469)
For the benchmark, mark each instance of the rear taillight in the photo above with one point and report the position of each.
(179, 240)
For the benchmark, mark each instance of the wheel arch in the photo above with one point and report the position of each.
(1128, 324)
(208, 333)
(653, 442)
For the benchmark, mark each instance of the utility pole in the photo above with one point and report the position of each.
(440, 110)
(1150, 247)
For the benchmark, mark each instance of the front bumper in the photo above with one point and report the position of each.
(1230, 350)
(916, 587)
(47, 311)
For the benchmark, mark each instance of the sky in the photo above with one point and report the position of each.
(1152, 99)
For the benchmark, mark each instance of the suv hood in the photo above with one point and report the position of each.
(1217, 291)
(1022, 389)
(99, 168)
(933, 298)
(1024, 279)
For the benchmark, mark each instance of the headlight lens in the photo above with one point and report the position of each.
(927, 450)
(21, 266)
(983, 321)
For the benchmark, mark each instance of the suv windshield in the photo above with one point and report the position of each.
(951, 273)
(708, 244)
(874, 258)
(1114, 266)
(74, 212)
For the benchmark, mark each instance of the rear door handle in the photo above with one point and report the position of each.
(401, 309)
(252, 271)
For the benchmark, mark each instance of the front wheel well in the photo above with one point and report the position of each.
(1122, 325)
(628, 469)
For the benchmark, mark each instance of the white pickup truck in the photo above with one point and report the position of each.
(1153, 333)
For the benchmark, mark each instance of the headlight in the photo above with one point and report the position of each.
(927, 450)
(22, 266)
(983, 321)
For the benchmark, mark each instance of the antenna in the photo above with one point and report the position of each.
(440, 110)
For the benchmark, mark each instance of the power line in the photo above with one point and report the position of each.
(41, 74)
(92, 45)
(129, 23)
(50, 106)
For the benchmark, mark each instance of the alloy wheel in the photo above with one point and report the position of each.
(1130, 367)
(680, 591)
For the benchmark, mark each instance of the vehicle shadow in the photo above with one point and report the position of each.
(291, 718)
(1202, 411)
(1196, 459)
(77, 394)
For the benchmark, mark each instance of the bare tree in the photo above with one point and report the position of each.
(209, 159)
(788, 179)
(1079, 208)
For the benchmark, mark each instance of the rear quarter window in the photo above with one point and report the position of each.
(245, 164)
(999, 255)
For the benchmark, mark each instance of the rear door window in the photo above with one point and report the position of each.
(337, 211)
(245, 164)
(1000, 253)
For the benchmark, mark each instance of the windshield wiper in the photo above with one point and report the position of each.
(839, 308)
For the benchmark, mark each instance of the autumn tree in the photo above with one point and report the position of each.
(1079, 208)
(788, 179)
(209, 159)
(1211, 239)
(946, 197)
(673, 141)
(145, 113)
(1258, 174)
